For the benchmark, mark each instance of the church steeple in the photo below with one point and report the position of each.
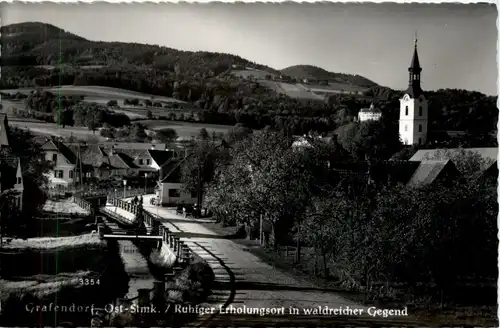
(414, 88)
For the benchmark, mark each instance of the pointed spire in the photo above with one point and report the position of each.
(415, 63)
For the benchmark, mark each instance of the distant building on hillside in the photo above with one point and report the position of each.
(369, 114)
(413, 117)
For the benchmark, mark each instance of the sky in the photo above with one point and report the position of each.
(456, 42)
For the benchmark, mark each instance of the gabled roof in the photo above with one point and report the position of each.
(380, 171)
(445, 154)
(160, 156)
(172, 170)
(429, 170)
(61, 149)
(121, 161)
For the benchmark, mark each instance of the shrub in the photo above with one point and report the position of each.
(200, 272)
(112, 103)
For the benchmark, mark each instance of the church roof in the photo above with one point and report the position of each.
(415, 62)
(414, 91)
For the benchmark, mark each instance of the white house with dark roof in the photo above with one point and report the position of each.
(170, 187)
(369, 114)
(63, 162)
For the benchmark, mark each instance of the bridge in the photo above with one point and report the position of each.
(125, 214)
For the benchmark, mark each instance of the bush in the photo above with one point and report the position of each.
(200, 272)
(112, 103)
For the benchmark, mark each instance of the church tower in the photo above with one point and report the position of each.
(413, 112)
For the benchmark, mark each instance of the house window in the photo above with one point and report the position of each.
(406, 110)
(420, 128)
(419, 141)
(54, 158)
(193, 194)
(420, 111)
(141, 161)
(148, 162)
(406, 128)
(19, 180)
(174, 193)
(71, 174)
(59, 174)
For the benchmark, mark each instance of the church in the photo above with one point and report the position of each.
(413, 113)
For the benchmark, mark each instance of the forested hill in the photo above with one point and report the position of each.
(317, 73)
(44, 44)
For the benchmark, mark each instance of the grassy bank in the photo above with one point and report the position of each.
(73, 271)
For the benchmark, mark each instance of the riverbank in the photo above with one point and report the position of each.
(77, 273)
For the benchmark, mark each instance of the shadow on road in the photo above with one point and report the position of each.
(251, 285)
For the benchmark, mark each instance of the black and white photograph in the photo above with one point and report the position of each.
(248, 165)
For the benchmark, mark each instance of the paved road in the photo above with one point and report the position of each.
(243, 277)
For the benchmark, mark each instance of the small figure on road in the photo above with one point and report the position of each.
(135, 200)
(141, 201)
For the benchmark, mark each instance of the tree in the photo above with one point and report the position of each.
(149, 115)
(272, 178)
(93, 118)
(201, 166)
(320, 227)
(166, 135)
(375, 139)
(203, 134)
(112, 103)
(137, 133)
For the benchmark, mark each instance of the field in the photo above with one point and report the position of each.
(185, 130)
(257, 74)
(52, 129)
(296, 91)
(103, 93)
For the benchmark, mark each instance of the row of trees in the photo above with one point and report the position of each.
(228, 101)
(435, 236)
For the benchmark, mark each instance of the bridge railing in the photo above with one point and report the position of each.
(83, 203)
(118, 192)
(183, 253)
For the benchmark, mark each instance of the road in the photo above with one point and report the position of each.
(249, 281)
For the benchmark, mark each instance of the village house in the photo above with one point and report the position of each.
(170, 187)
(63, 163)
